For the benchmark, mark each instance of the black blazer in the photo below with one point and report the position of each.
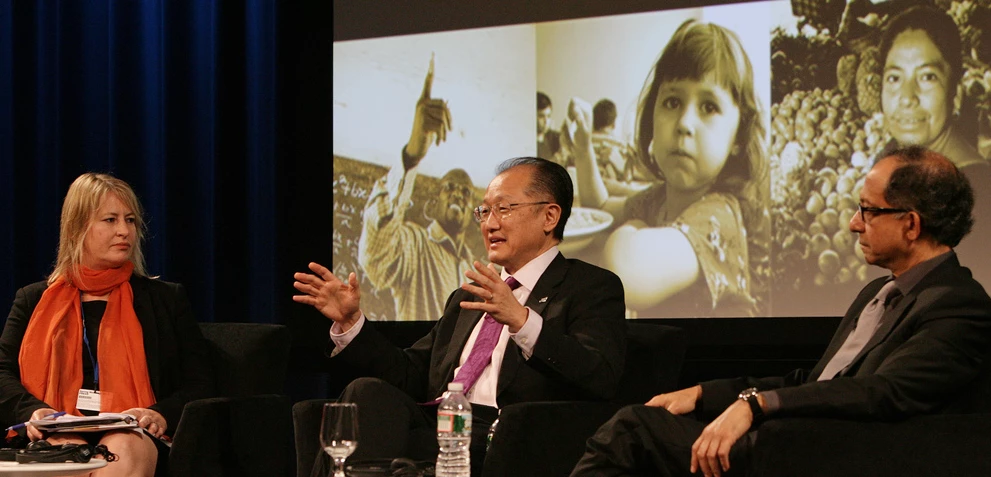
(924, 357)
(579, 353)
(176, 352)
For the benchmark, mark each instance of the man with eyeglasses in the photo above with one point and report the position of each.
(916, 342)
(553, 328)
(418, 265)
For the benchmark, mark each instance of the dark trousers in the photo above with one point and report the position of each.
(391, 424)
(641, 440)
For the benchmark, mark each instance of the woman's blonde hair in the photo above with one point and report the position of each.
(85, 196)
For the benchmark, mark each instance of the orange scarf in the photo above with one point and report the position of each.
(51, 357)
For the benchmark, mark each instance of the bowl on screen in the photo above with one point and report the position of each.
(583, 226)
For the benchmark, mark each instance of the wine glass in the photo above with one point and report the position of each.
(339, 432)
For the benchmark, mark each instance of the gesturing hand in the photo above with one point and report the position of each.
(431, 122)
(498, 297)
(710, 453)
(677, 402)
(150, 420)
(335, 299)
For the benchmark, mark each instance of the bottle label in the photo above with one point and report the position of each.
(451, 422)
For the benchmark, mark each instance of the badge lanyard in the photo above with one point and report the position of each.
(92, 359)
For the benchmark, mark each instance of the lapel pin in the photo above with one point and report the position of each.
(542, 300)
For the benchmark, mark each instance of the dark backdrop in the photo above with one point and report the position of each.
(216, 112)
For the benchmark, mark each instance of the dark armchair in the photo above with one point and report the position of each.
(936, 445)
(247, 429)
(306, 417)
(956, 442)
(548, 438)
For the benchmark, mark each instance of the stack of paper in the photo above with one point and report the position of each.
(102, 422)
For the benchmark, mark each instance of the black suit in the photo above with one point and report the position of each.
(923, 358)
(579, 353)
(175, 350)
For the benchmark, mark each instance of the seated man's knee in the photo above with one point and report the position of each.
(365, 386)
(633, 412)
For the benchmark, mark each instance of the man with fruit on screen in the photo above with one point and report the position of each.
(911, 343)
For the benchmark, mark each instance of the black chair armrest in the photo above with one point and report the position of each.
(242, 436)
(934, 445)
(543, 438)
(306, 417)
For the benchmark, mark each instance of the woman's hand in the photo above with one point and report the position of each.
(150, 420)
(33, 433)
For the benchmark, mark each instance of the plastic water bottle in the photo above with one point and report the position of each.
(454, 434)
(492, 431)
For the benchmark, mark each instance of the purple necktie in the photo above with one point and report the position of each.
(485, 343)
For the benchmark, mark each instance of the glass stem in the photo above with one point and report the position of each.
(338, 467)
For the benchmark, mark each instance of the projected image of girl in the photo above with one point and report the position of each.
(694, 242)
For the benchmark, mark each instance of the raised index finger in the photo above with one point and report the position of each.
(428, 82)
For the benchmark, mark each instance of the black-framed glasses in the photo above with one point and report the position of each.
(502, 211)
(878, 211)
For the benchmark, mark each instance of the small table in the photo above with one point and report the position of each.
(14, 469)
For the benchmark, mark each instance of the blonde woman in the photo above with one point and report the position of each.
(99, 323)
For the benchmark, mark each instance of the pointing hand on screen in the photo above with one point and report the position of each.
(431, 122)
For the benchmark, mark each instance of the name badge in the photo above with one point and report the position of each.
(88, 400)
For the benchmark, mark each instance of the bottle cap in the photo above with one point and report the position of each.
(455, 387)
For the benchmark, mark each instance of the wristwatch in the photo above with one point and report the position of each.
(750, 396)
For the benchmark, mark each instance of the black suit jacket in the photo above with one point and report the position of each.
(927, 353)
(579, 353)
(176, 352)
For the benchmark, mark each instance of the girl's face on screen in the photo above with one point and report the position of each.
(695, 125)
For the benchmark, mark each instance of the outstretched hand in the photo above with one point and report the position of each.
(332, 297)
(431, 121)
(499, 300)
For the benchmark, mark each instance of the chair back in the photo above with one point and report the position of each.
(654, 356)
(246, 429)
(306, 417)
(248, 358)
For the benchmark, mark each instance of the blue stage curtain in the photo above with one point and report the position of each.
(178, 98)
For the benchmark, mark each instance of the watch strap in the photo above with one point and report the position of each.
(750, 396)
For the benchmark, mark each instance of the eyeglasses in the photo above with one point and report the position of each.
(878, 211)
(502, 211)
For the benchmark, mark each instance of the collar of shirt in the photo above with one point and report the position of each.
(908, 280)
(528, 274)
(438, 235)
